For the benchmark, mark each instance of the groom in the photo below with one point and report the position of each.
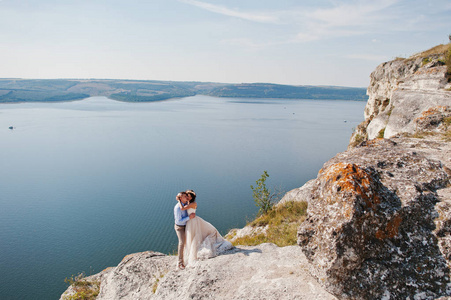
(181, 217)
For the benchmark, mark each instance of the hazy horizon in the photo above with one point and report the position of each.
(158, 80)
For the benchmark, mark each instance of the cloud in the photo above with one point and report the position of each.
(345, 19)
(339, 19)
(255, 17)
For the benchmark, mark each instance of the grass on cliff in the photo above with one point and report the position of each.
(447, 134)
(283, 222)
(440, 50)
(437, 50)
(448, 62)
(84, 289)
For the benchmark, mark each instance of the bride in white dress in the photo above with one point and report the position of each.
(203, 240)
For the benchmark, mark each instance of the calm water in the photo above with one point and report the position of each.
(85, 183)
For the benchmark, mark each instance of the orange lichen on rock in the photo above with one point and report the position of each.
(429, 71)
(374, 142)
(434, 110)
(350, 178)
(391, 230)
(437, 113)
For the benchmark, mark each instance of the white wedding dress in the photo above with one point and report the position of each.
(203, 240)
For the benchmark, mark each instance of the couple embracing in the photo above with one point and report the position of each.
(198, 239)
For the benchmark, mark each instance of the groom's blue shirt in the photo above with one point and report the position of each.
(180, 216)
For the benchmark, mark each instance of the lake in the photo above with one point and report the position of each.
(85, 183)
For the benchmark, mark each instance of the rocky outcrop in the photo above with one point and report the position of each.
(260, 272)
(379, 216)
(299, 194)
(377, 226)
(400, 91)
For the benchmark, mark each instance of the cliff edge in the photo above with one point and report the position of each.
(379, 217)
(406, 94)
(258, 272)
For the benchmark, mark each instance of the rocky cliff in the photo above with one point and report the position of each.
(379, 216)
(405, 95)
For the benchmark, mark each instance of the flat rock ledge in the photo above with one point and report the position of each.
(248, 272)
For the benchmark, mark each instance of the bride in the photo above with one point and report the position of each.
(203, 240)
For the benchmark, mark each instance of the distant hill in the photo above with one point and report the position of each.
(52, 90)
(265, 90)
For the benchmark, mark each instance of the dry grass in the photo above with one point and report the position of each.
(358, 138)
(447, 134)
(437, 50)
(282, 221)
(84, 289)
(380, 135)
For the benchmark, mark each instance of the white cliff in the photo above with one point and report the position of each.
(401, 90)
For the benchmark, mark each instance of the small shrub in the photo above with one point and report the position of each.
(84, 289)
(425, 61)
(263, 196)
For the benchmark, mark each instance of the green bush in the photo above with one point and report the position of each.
(262, 195)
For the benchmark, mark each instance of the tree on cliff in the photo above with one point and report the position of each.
(263, 197)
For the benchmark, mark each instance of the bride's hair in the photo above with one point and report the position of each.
(193, 195)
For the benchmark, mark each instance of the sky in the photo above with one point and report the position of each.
(317, 42)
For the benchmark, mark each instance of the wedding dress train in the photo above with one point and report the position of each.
(203, 240)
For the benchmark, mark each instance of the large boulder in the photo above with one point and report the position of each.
(377, 227)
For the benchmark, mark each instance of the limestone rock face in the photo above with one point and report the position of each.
(377, 225)
(136, 276)
(407, 108)
(379, 216)
(299, 194)
(400, 91)
(260, 272)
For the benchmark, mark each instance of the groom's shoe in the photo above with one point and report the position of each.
(181, 266)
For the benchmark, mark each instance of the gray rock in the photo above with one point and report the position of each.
(136, 276)
(261, 272)
(378, 226)
(410, 106)
(299, 194)
(400, 92)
